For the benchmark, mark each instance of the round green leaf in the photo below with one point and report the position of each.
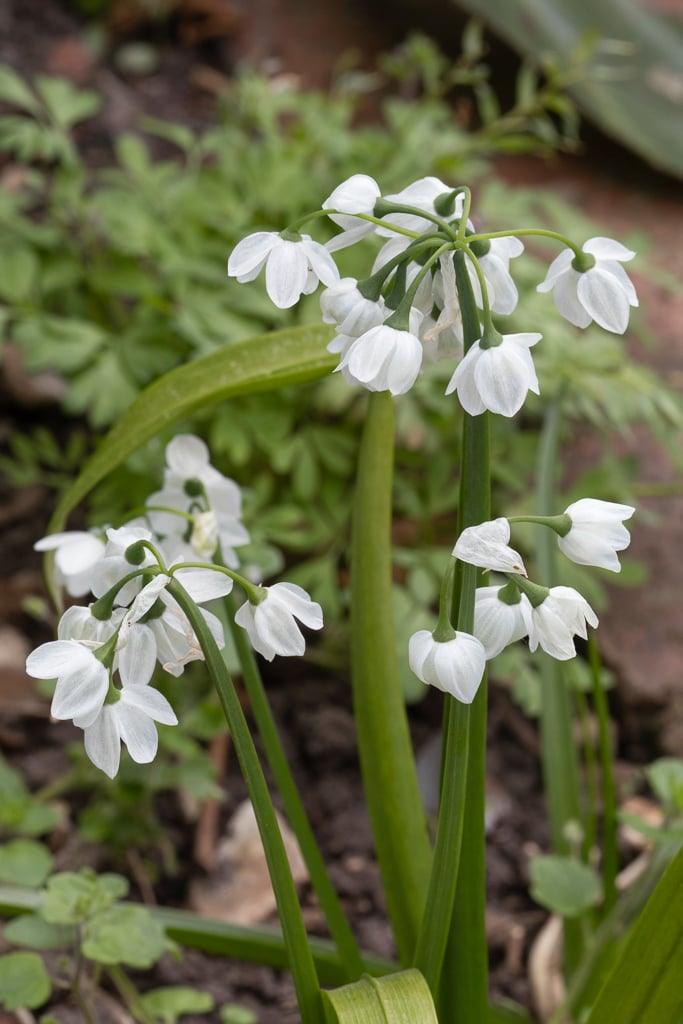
(170, 1003)
(24, 862)
(24, 982)
(33, 931)
(563, 885)
(124, 935)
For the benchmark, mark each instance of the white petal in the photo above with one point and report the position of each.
(56, 657)
(286, 273)
(138, 732)
(187, 456)
(251, 252)
(602, 296)
(608, 249)
(81, 693)
(204, 584)
(102, 742)
(146, 700)
(557, 269)
(136, 661)
(299, 603)
(321, 263)
(567, 301)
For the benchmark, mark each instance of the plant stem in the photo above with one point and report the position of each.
(558, 753)
(463, 995)
(337, 922)
(293, 929)
(386, 755)
(130, 994)
(610, 853)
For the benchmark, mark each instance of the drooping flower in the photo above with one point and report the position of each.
(454, 666)
(498, 623)
(129, 719)
(82, 680)
(356, 195)
(421, 194)
(561, 616)
(603, 292)
(497, 377)
(292, 267)
(76, 553)
(344, 305)
(486, 546)
(596, 533)
(271, 623)
(190, 483)
(384, 359)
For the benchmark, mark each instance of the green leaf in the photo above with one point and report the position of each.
(66, 104)
(170, 1003)
(24, 982)
(266, 362)
(71, 898)
(124, 935)
(14, 90)
(19, 268)
(25, 862)
(33, 931)
(645, 985)
(233, 1013)
(402, 998)
(564, 885)
(666, 778)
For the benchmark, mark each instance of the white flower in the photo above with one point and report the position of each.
(129, 719)
(291, 267)
(270, 623)
(597, 532)
(343, 305)
(486, 546)
(357, 194)
(384, 359)
(603, 293)
(82, 680)
(114, 566)
(420, 194)
(77, 551)
(497, 623)
(554, 623)
(496, 378)
(187, 464)
(500, 287)
(454, 666)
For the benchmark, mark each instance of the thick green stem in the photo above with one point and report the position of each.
(558, 752)
(386, 756)
(610, 853)
(293, 929)
(463, 995)
(340, 930)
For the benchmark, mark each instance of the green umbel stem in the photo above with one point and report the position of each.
(558, 753)
(293, 929)
(463, 993)
(337, 923)
(386, 756)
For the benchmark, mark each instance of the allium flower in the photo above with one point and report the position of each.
(292, 267)
(500, 287)
(496, 378)
(454, 666)
(270, 623)
(129, 719)
(597, 532)
(82, 680)
(384, 359)
(357, 194)
(421, 194)
(486, 546)
(602, 293)
(554, 623)
(190, 481)
(497, 623)
(342, 304)
(77, 551)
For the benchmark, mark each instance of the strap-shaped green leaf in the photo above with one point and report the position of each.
(402, 998)
(645, 986)
(268, 361)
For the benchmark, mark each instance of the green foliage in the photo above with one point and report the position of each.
(666, 778)
(169, 1004)
(401, 998)
(24, 862)
(20, 812)
(73, 898)
(564, 885)
(233, 1013)
(124, 935)
(24, 982)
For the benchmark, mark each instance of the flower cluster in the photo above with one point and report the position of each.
(433, 263)
(106, 654)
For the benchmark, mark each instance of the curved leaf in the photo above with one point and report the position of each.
(268, 361)
(402, 998)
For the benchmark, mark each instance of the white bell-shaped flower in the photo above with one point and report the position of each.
(420, 194)
(486, 546)
(603, 293)
(500, 286)
(76, 553)
(292, 267)
(498, 623)
(596, 533)
(82, 680)
(344, 305)
(271, 623)
(558, 619)
(131, 720)
(498, 377)
(356, 195)
(385, 358)
(454, 666)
